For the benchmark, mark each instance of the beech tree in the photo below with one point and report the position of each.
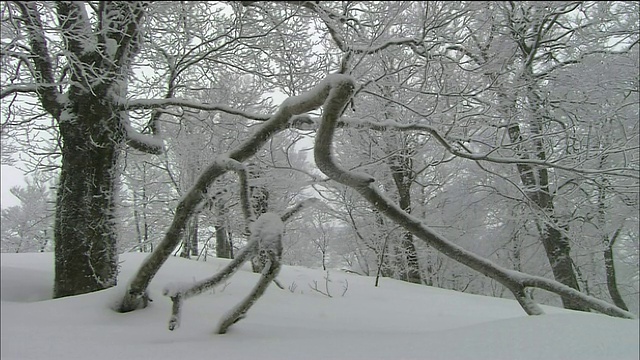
(76, 59)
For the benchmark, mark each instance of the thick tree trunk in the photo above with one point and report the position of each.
(86, 257)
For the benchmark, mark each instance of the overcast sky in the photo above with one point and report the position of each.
(10, 177)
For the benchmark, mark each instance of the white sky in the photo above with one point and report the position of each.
(10, 177)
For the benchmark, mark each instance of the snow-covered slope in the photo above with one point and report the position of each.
(394, 321)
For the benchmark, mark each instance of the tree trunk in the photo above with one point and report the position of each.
(190, 242)
(223, 245)
(557, 249)
(136, 219)
(556, 246)
(260, 203)
(402, 174)
(612, 283)
(86, 257)
(193, 239)
(223, 242)
(609, 265)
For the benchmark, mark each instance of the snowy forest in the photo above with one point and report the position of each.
(486, 147)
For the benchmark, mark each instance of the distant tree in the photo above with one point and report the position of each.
(28, 227)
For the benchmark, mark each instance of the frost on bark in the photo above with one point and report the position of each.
(136, 296)
(556, 245)
(402, 173)
(85, 235)
(81, 98)
(266, 243)
(516, 282)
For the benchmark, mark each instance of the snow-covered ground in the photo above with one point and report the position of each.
(394, 321)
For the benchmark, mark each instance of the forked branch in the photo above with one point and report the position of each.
(136, 295)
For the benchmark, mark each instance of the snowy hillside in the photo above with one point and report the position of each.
(394, 321)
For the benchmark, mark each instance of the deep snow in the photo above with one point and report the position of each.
(394, 321)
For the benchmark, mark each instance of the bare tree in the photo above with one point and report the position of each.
(27, 227)
(79, 77)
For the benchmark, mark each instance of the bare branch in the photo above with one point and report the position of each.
(76, 28)
(296, 209)
(515, 281)
(453, 149)
(136, 296)
(12, 89)
(160, 103)
(40, 57)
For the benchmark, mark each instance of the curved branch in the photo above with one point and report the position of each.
(269, 273)
(136, 296)
(575, 295)
(266, 239)
(515, 281)
(179, 293)
(147, 144)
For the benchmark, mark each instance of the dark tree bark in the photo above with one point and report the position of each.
(556, 245)
(402, 173)
(92, 130)
(612, 283)
(85, 234)
(223, 244)
(609, 264)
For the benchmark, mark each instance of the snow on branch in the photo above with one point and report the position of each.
(241, 170)
(265, 241)
(76, 28)
(12, 89)
(451, 148)
(145, 143)
(296, 209)
(126, 104)
(41, 58)
(190, 202)
(329, 18)
(515, 281)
